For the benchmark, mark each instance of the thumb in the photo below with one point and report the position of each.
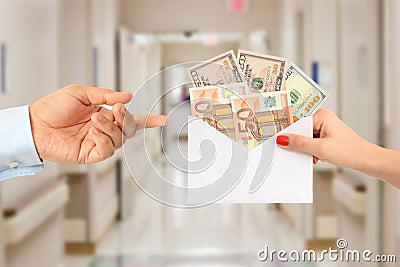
(299, 143)
(98, 96)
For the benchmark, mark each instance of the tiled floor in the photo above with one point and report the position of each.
(216, 235)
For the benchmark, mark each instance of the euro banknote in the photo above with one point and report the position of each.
(263, 73)
(258, 117)
(306, 96)
(213, 105)
(252, 97)
(222, 69)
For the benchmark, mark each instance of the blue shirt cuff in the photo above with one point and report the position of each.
(18, 155)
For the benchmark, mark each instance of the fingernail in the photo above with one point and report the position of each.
(282, 140)
(95, 131)
(122, 111)
(162, 121)
(101, 118)
(157, 120)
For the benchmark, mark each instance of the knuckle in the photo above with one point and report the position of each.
(118, 142)
(74, 86)
(321, 111)
(115, 110)
(110, 153)
(295, 142)
(103, 140)
(93, 117)
(107, 152)
(74, 89)
(110, 127)
(326, 112)
(299, 142)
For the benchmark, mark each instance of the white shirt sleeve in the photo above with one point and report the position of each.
(18, 155)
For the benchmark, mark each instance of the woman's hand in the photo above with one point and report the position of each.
(69, 126)
(336, 143)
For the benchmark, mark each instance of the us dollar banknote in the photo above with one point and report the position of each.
(258, 117)
(306, 96)
(222, 69)
(263, 73)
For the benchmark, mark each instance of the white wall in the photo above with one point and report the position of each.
(309, 33)
(29, 31)
(176, 53)
(140, 58)
(104, 25)
(74, 57)
(84, 25)
(391, 74)
(359, 67)
(203, 16)
(359, 101)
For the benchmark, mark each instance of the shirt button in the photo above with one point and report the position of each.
(13, 164)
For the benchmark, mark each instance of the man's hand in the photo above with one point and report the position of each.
(69, 126)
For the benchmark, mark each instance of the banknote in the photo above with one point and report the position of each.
(306, 96)
(213, 105)
(229, 90)
(258, 117)
(222, 69)
(253, 97)
(221, 92)
(263, 73)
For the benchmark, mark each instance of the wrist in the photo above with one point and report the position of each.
(371, 159)
(35, 128)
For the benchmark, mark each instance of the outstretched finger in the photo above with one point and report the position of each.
(150, 121)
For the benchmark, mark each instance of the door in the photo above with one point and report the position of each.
(360, 107)
(28, 37)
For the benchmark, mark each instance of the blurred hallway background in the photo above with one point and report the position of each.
(95, 215)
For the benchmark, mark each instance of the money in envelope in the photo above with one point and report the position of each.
(236, 116)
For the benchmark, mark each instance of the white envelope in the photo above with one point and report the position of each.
(220, 170)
